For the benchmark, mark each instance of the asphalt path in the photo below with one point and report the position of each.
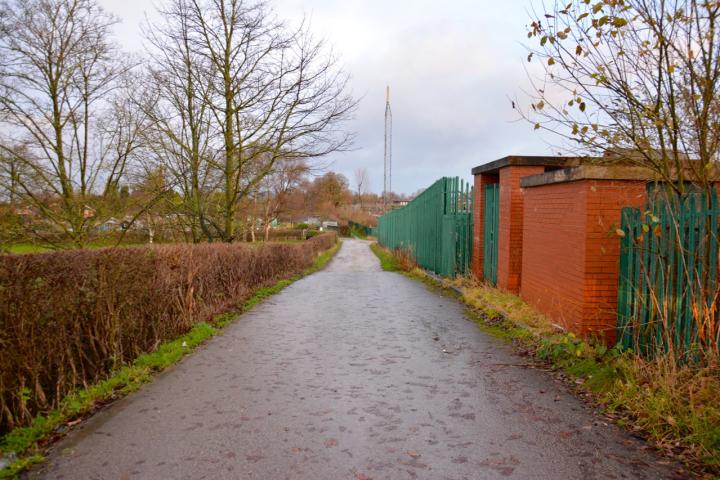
(352, 373)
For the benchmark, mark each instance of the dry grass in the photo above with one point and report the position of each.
(497, 303)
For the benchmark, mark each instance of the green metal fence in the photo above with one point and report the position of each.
(490, 233)
(667, 292)
(436, 227)
(360, 228)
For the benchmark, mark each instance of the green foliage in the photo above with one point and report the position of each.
(26, 248)
(170, 352)
(490, 321)
(15, 468)
(359, 230)
(357, 233)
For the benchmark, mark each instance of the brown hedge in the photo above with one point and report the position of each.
(67, 319)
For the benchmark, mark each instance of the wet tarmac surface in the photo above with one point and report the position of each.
(351, 373)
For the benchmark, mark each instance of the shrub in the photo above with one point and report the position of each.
(68, 319)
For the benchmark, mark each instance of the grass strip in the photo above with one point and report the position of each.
(674, 406)
(27, 444)
(388, 261)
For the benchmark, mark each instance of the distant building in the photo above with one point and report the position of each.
(110, 225)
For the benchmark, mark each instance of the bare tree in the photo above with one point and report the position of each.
(274, 93)
(273, 190)
(56, 65)
(181, 131)
(637, 80)
(11, 170)
(362, 182)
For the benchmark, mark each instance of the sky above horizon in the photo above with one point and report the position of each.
(452, 67)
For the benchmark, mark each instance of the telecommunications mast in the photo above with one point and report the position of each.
(387, 187)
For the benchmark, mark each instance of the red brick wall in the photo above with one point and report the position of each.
(605, 200)
(510, 235)
(554, 254)
(479, 221)
(571, 253)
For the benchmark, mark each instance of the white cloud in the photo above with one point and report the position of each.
(451, 66)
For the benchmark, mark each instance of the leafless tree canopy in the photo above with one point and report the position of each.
(260, 91)
(226, 92)
(63, 124)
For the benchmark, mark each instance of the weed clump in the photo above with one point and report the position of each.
(399, 260)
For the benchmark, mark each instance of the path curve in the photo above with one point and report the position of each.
(351, 373)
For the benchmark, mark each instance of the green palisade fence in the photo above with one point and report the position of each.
(492, 222)
(436, 227)
(667, 292)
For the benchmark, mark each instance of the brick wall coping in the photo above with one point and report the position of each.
(598, 172)
(529, 161)
(586, 172)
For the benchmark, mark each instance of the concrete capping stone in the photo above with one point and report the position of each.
(530, 161)
(587, 172)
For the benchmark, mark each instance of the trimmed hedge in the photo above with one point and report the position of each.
(68, 319)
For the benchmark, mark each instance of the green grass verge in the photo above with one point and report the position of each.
(388, 261)
(675, 407)
(24, 248)
(28, 443)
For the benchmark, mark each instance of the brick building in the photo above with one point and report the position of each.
(556, 246)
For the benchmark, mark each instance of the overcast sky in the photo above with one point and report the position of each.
(451, 67)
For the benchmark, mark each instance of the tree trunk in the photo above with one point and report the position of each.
(267, 232)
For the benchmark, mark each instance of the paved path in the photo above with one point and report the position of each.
(351, 373)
